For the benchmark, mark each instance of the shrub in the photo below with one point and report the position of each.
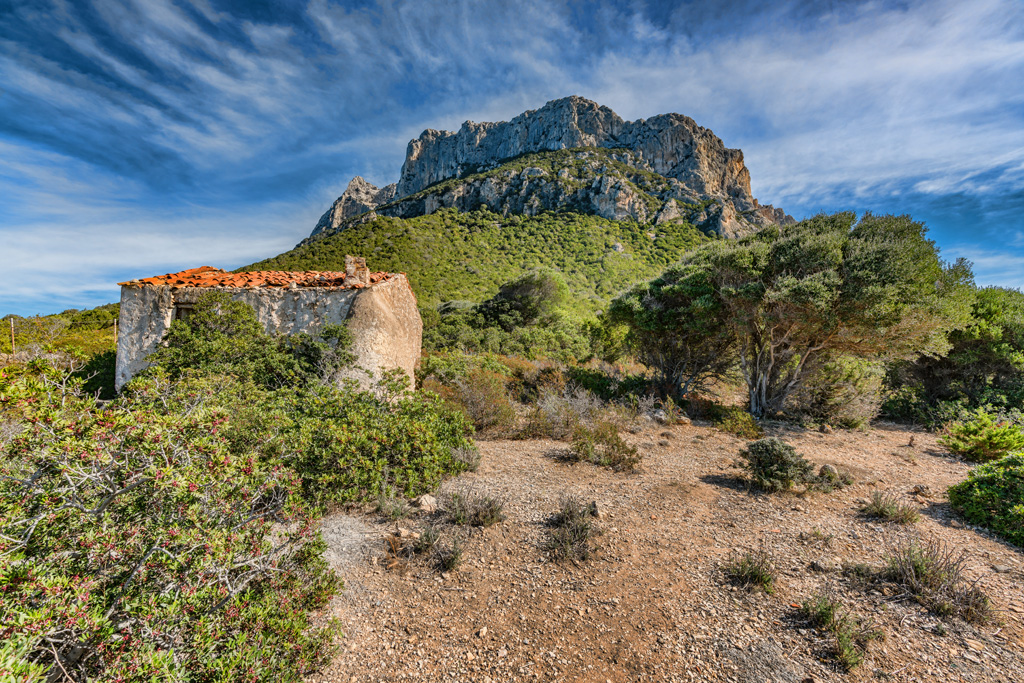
(839, 390)
(851, 635)
(224, 336)
(570, 530)
(751, 570)
(602, 445)
(474, 509)
(558, 415)
(738, 423)
(886, 506)
(139, 545)
(391, 506)
(983, 439)
(933, 574)
(428, 538)
(993, 496)
(349, 445)
(774, 465)
(448, 555)
(482, 397)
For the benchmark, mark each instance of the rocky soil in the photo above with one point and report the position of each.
(652, 604)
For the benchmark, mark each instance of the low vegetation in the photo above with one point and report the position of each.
(852, 636)
(887, 507)
(981, 438)
(602, 445)
(993, 496)
(170, 532)
(932, 573)
(467, 507)
(571, 530)
(753, 569)
(774, 465)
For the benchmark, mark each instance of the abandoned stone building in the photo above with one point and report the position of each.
(379, 310)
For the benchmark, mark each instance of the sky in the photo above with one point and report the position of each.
(142, 137)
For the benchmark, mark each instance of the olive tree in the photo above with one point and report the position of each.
(677, 328)
(831, 284)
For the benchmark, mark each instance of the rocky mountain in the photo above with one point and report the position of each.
(571, 154)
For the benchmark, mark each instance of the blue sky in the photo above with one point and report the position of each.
(145, 136)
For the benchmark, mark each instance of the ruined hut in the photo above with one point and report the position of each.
(379, 310)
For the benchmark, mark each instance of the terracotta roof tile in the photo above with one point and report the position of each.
(207, 276)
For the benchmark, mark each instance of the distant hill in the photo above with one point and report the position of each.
(454, 255)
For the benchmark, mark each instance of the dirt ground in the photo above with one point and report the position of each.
(652, 603)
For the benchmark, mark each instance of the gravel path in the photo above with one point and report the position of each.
(651, 604)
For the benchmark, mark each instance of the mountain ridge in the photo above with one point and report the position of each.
(693, 162)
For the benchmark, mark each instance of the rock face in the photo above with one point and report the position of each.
(662, 168)
(358, 198)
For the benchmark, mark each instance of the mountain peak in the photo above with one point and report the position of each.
(693, 164)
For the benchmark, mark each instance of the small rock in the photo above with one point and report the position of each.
(482, 632)
(824, 565)
(402, 532)
(829, 472)
(920, 501)
(921, 490)
(599, 509)
(798, 508)
(1001, 569)
(663, 443)
(860, 501)
(502, 652)
(426, 503)
(975, 645)
(683, 420)
(956, 524)
(667, 435)
(660, 416)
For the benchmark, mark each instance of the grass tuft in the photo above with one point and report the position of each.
(751, 570)
(571, 530)
(887, 507)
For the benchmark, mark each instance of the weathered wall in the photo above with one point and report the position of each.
(146, 313)
(386, 327)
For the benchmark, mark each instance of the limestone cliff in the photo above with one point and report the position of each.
(650, 170)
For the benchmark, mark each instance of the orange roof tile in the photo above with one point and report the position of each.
(207, 276)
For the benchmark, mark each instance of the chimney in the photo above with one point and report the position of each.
(356, 272)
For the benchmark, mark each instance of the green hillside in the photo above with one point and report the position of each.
(450, 255)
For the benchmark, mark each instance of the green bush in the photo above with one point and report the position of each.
(137, 544)
(992, 496)
(839, 390)
(774, 465)
(737, 422)
(224, 336)
(982, 439)
(349, 445)
(602, 445)
(983, 367)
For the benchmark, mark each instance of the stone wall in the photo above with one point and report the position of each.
(393, 341)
